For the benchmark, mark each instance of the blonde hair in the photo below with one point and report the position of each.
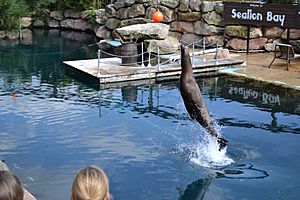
(90, 183)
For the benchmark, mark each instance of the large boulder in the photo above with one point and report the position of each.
(182, 26)
(103, 32)
(183, 5)
(294, 34)
(169, 14)
(241, 31)
(188, 16)
(58, 15)
(167, 46)
(112, 23)
(241, 44)
(169, 4)
(77, 24)
(213, 18)
(273, 32)
(133, 21)
(189, 38)
(144, 31)
(2, 34)
(195, 5)
(72, 14)
(203, 28)
(26, 21)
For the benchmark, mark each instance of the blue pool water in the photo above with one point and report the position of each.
(54, 123)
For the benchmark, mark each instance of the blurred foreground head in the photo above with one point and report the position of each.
(90, 183)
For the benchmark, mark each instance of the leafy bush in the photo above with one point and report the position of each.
(10, 13)
(83, 4)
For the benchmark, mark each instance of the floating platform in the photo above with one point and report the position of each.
(111, 70)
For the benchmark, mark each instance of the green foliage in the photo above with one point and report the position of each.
(10, 13)
(83, 4)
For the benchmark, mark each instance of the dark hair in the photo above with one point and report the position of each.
(10, 187)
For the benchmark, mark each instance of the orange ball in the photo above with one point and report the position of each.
(157, 16)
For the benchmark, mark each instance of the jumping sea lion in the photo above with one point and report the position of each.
(192, 98)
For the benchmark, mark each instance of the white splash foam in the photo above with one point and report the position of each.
(206, 153)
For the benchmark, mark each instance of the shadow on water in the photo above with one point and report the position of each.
(197, 189)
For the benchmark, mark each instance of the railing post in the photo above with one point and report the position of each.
(149, 59)
(216, 61)
(98, 73)
(203, 59)
(143, 54)
(193, 55)
(158, 59)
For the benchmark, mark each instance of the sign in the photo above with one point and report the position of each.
(262, 14)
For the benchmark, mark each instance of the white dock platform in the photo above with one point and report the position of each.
(111, 70)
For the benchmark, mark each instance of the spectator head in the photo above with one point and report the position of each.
(10, 187)
(90, 183)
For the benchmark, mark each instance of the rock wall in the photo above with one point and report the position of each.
(189, 20)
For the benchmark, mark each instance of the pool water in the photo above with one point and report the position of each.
(53, 124)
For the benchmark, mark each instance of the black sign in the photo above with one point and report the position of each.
(262, 14)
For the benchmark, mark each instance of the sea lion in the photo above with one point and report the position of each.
(192, 98)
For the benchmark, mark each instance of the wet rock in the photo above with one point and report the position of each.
(58, 15)
(12, 35)
(112, 23)
(26, 22)
(77, 24)
(52, 23)
(2, 34)
(167, 46)
(103, 33)
(38, 23)
(188, 16)
(72, 14)
(144, 31)
(182, 26)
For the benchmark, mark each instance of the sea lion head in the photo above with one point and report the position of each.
(186, 64)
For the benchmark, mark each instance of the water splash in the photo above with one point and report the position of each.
(205, 153)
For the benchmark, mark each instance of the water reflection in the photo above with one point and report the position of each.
(197, 189)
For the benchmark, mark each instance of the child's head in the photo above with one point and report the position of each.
(10, 187)
(90, 183)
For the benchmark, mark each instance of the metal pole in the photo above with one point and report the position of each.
(248, 38)
(143, 54)
(193, 55)
(216, 61)
(98, 74)
(203, 59)
(158, 60)
(149, 61)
